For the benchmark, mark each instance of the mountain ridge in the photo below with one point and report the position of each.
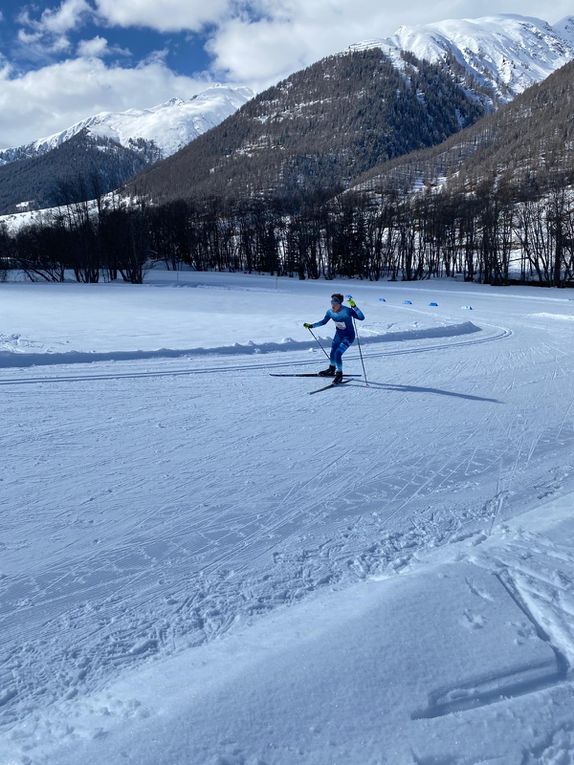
(507, 52)
(527, 146)
(278, 141)
(313, 132)
(169, 125)
(81, 168)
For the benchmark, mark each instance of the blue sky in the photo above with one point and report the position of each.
(65, 60)
(183, 51)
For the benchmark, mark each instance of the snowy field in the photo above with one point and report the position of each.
(200, 563)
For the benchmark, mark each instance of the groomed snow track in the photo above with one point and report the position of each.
(497, 333)
(172, 505)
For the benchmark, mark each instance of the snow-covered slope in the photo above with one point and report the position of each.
(508, 52)
(565, 28)
(170, 125)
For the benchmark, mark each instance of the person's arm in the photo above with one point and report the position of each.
(324, 320)
(356, 312)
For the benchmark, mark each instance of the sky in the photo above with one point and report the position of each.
(63, 61)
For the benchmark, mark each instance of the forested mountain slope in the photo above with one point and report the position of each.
(79, 169)
(527, 145)
(313, 133)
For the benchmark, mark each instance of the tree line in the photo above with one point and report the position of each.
(488, 236)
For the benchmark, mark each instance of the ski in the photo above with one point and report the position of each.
(305, 374)
(332, 385)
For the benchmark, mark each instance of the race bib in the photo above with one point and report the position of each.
(340, 325)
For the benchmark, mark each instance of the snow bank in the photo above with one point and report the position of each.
(554, 316)
(12, 356)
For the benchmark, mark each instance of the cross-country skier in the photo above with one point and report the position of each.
(344, 336)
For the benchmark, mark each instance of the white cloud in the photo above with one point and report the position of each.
(97, 46)
(29, 38)
(47, 36)
(47, 100)
(59, 44)
(67, 16)
(42, 46)
(164, 15)
(289, 34)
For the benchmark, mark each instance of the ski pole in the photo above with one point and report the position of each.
(360, 349)
(320, 346)
(361, 353)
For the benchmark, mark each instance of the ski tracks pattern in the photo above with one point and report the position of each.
(231, 510)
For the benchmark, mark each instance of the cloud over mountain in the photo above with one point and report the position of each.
(154, 51)
(37, 103)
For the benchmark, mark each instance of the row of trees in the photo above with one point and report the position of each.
(89, 239)
(487, 237)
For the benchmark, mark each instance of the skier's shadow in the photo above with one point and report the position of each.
(437, 391)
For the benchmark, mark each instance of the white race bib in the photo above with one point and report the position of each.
(340, 325)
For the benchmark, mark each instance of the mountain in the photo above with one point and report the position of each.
(565, 28)
(527, 146)
(169, 126)
(506, 53)
(102, 152)
(80, 168)
(376, 101)
(315, 131)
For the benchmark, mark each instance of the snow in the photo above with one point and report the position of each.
(555, 316)
(14, 222)
(565, 28)
(203, 564)
(170, 125)
(507, 51)
(182, 314)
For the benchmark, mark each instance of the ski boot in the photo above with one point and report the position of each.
(338, 377)
(328, 372)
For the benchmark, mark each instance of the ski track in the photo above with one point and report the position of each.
(134, 570)
(493, 333)
(544, 595)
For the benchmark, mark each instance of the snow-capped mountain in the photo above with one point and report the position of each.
(507, 52)
(565, 28)
(170, 125)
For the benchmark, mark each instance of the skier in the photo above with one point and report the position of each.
(344, 336)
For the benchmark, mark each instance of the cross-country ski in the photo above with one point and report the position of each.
(337, 384)
(306, 374)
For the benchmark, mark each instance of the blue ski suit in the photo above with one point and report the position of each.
(345, 334)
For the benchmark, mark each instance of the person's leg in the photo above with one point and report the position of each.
(339, 351)
(334, 348)
(330, 372)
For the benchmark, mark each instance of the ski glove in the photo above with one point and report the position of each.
(352, 303)
(307, 325)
